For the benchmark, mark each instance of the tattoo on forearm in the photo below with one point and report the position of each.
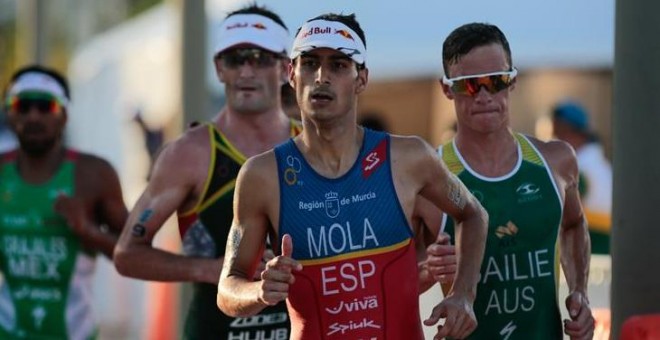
(146, 214)
(138, 230)
(456, 196)
(234, 241)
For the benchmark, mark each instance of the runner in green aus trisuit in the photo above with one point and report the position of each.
(530, 190)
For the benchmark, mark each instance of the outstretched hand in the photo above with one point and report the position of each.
(460, 320)
(582, 324)
(278, 275)
(441, 259)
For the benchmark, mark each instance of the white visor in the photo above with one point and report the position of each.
(329, 34)
(38, 82)
(253, 29)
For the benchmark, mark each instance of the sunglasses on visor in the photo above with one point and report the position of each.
(22, 104)
(256, 57)
(471, 85)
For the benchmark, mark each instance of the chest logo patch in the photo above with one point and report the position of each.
(528, 192)
(332, 204)
(374, 159)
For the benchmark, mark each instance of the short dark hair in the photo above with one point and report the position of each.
(59, 78)
(465, 38)
(260, 10)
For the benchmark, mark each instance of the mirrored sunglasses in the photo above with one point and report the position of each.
(23, 103)
(471, 85)
(256, 57)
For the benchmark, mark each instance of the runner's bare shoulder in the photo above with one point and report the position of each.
(412, 150)
(261, 169)
(187, 157)
(257, 186)
(559, 155)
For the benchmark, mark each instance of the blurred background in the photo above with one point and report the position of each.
(141, 70)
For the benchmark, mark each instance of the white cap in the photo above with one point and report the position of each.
(329, 34)
(39, 82)
(253, 29)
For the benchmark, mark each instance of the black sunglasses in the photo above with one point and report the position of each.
(256, 57)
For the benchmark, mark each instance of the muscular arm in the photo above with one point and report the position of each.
(426, 224)
(575, 244)
(238, 294)
(449, 194)
(172, 183)
(416, 166)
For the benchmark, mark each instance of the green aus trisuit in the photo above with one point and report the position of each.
(46, 289)
(517, 290)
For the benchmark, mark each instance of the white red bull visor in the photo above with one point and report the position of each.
(38, 82)
(253, 29)
(329, 34)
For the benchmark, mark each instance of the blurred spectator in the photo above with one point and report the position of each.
(571, 124)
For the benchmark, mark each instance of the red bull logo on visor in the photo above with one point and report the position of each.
(316, 30)
(345, 34)
(329, 34)
(237, 25)
(258, 25)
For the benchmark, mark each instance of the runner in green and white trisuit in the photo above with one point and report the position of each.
(529, 189)
(520, 269)
(53, 201)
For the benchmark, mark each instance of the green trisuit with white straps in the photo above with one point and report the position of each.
(517, 290)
